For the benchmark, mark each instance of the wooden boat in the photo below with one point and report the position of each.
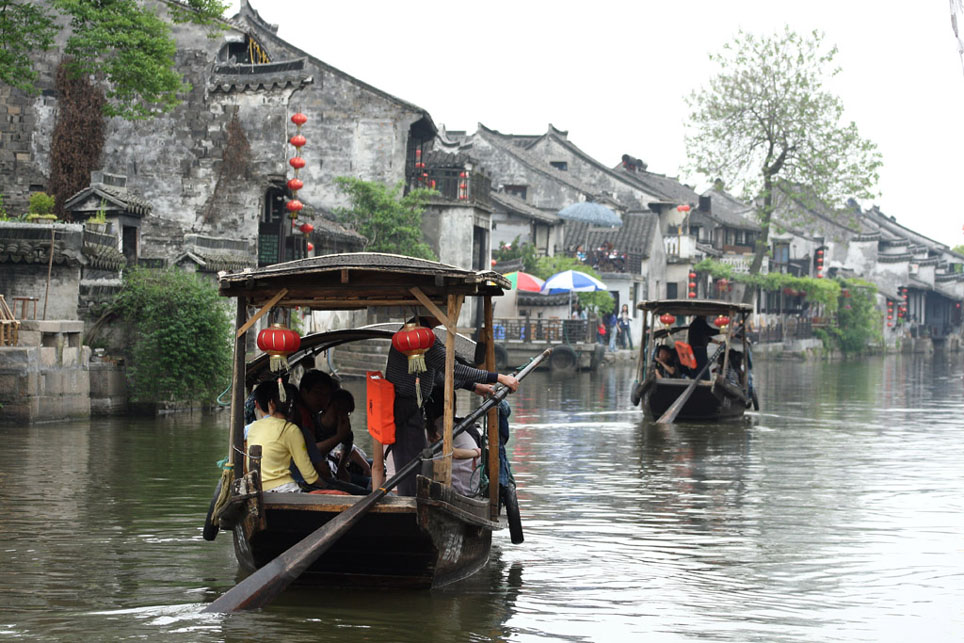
(429, 540)
(728, 391)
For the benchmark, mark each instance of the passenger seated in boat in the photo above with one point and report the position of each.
(466, 455)
(280, 439)
(699, 336)
(665, 362)
(336, 421)
(409, 416)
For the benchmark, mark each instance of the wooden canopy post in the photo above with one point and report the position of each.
(443, 467)
(644, 348)
(492, 419)
(237, 388)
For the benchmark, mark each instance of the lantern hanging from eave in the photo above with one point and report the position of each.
(413, 341)
(722, 321)
(295, 184)
(692, 285)
(692, 295)
(683, 208)
(692, 276)
(296, 162)
(298, 141)
(311, 246)
(667, 319)
(294, 206)
(299, 119)
(306, 228)
(278, 341)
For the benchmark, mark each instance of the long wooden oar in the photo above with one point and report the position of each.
(676, 406)
(258, 589)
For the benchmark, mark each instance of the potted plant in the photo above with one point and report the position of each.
(98, 222)
(40, 208)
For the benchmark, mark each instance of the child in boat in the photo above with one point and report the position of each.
(345, 457)
(466, 453)
(666, 365)
(280, 439)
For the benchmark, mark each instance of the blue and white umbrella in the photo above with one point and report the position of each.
(572, 281)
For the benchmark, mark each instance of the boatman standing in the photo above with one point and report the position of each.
(410, 436)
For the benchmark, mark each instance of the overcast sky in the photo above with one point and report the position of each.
(615, 74)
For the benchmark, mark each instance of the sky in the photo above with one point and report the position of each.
(615, 75)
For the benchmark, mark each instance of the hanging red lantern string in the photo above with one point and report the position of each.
(412, 341)
(298, 163)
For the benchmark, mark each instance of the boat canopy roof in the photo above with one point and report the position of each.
(358, 280)
(693, 307)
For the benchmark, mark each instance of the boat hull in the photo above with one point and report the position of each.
(434, 539)
(705, 404)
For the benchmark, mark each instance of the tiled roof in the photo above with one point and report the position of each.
(729, 211)
(520, 207)
(668, 189)
(530, 160)
(119, 197)
(633, 238)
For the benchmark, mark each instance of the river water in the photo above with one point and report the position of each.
(836, 513)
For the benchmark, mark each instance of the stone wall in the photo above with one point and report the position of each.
(45, 377)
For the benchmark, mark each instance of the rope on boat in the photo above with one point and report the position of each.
(222, 403)
(227, 477)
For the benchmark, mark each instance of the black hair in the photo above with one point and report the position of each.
(314, 377)
(343, 397)
(269, 392)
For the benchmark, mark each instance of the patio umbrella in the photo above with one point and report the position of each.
(572, 281)
(524, 281)
(592, 213)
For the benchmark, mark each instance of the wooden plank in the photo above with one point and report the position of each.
(492, 419)
(443, 466)
(264, 309)
(435, 310)
(236, 432)
(344, 275)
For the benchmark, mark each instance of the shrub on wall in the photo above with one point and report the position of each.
(181, 349)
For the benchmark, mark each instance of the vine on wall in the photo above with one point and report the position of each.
(78, 137)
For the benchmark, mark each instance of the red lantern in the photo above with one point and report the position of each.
(412, 341)
(295, 184)
(311, 246)
(278, 341)
(296, 162)
(889, 324)
(306, 228)
(890, 316)
(683, 208)
(298, 140)
(294, 205)
(722, 321)
(819, 252)
(493, 261)
(299, 119)
(667, 319)
(692, 276)
(692, 295)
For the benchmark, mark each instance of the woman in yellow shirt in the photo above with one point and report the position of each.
(280, 439)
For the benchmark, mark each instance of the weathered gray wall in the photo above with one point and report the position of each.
(174, 161)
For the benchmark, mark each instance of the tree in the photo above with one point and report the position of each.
(125, 46)
(767, 127)
(390, 222)
(180, 350)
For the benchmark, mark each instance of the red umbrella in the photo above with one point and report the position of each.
(524, 281)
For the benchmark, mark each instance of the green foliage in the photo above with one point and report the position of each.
(40, 203)
(518, 249)
(858, 320)
(390, 222)
(182, 348)
(120, 42)
(3, 211)
(25, 29)
(768, 127)
(822, 291)
(600, 301)
(101, 215)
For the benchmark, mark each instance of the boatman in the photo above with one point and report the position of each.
(410, 436)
